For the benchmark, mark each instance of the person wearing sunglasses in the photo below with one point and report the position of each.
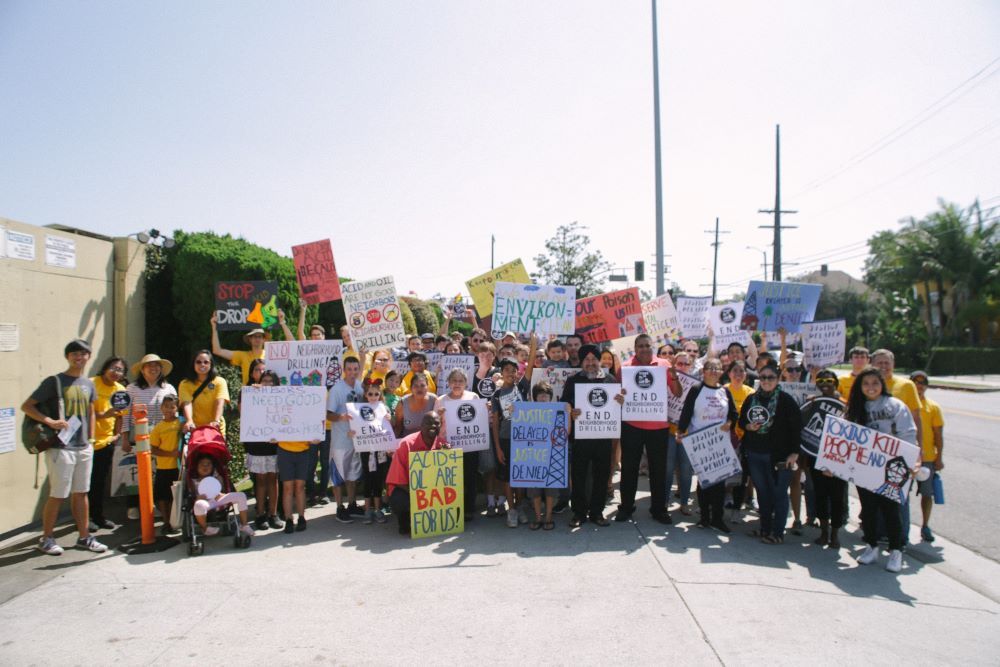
(771, 421)
(678, 463)
(829, 492)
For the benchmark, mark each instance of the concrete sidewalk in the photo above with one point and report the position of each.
(637, 593)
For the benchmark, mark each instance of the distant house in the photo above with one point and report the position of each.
(833, 281)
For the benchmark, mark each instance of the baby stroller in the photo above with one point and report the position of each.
(207, 440)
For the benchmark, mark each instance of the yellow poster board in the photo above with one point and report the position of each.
(481, 287)
(437, 494)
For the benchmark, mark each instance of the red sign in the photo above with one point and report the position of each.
(316, 272)
(608, 316)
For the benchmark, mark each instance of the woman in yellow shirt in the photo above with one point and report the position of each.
(205, 409)
(107, 429)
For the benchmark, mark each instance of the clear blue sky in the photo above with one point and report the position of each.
(409, 132)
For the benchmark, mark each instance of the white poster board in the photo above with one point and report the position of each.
(725, 322)
(660, 316)
(541, 309)
(824, 343)
(799, 390)
(373, 315)
(878, 462)
(445, 364)
(645, 393)
(372, 427)
(554, 376)
(284, 414)
(313, 363)
(675, 404)
(712, 456)
(600, 414)
(467, 424)
(692, 315)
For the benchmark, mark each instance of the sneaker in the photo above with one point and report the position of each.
(260, 523)
(512, 518)
(289, 526)
(322, 500)
(133, 513)
(106, 524)
(275, 522)
(522, 515)
(560, 507)
(211, 530)
(868, 556)
(342, 515)
(47, 545)
(92, 526)
(354, 510)
(247, 530)
(90, 543)
(380, 516)
(369, 517)
(926, 535)
(895, 562)
(301, 525)
(491, 512)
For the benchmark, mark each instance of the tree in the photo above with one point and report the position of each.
(568, 262)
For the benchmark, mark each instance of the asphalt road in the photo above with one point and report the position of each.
(971, 475)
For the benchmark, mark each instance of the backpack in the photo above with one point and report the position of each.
(36, 436)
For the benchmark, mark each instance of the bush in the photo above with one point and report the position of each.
(423, 315)
(237, 465)
(964, 361)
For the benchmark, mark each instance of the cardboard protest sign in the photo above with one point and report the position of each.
(608, 316)
(725, 322)
(481, 287)
(540, 309)
(692, 315)
(401, 366)
(437, 503)
(824, 343)
(467, 424)
(600, 414)
(284, 414)
(675, 404)
(645, 393)
(372, 427)
(771, 305)
(316, 272)
(246, 304)
(313, 363)
(554, 376)
(660, 317)
(539, 445)
(447, 362)
(372, 310)
(433, 361)
(712, 456)
(799, 390)
(878, 462)
(814, 414)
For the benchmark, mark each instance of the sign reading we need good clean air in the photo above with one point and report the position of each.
(372, 310)
(285, 414)
(769, 306)
(541, 309)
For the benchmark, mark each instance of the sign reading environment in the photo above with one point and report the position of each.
(692, 314)
(313, 363)
(246, 304)
(372, 310)
(769, 306)
(481, 287)
(316, 272)
(645, 393)
(869, 459)
(540, 309)
(467, 424)
(436, 493)
(285, 414)
(609, 316)
(711, 454)
(600, 414)
(824, 343)
(372, 427)
(539, 445)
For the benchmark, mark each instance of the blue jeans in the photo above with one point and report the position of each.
(772, 493)
(677, 459)
(318, 454)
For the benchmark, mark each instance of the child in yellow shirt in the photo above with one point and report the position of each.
(163, 443)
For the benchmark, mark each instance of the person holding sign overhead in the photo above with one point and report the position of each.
(242, 358)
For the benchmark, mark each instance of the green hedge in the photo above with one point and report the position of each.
(964, 361)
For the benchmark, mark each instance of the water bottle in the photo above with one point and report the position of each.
(938, 490)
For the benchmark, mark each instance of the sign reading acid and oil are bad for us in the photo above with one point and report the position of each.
(436, 493)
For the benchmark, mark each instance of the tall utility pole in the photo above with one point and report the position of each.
(656, 152)
(776, 256)
(493, 246)
(715, 263)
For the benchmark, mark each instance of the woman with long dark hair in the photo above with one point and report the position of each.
(203, 394)
(107, 431)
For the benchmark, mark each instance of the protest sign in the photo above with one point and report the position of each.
(824, 343)
(285, 414)
(246, 304)
(608, 316)
(540, 309)
(660, 317)
(433, 362)
(481, 287)
(316, 272)
(445, 364)
(799, 390)
(814, 414)
(313, 363)
(436, 493)
(372, 310)
(711, 454)
(372, 427)
(675, 404)
(771, 305)
(600, 414)
(725, 322)
(467, 424)
(645, 393)
(878, 462)
(554, 376)
(692, 315)
(401, 366)
(539, 445)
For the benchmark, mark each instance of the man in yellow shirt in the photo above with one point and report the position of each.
(859, 359)
(902, 388)
(163, 443)
(932, 448)
(242, 358)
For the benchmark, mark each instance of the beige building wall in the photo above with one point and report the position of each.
(100, 300)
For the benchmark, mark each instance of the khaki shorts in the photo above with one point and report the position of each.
(69, 470)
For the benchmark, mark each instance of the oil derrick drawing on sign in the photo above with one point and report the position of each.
(557, 454)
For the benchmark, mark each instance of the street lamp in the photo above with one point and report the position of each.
(154, 237)
(764, 253)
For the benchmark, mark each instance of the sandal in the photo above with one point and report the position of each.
(548, 525)
(534, 525)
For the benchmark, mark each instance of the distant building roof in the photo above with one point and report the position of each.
(834, 280)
